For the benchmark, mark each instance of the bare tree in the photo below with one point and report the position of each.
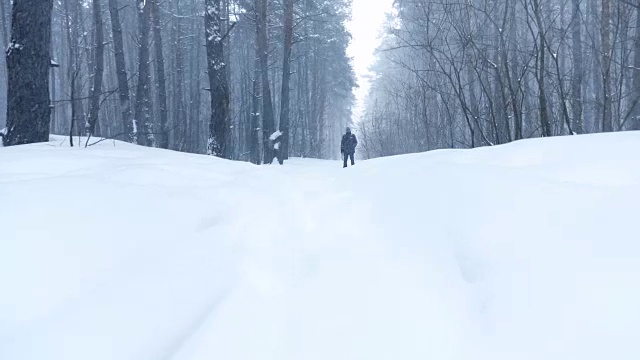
(98, 71)
(605, 33)
(179, 106)
(121, 72)
(286, 75)
(143, 120)
(578, 72)
(263, 56)
(219, 89)
(160, 74)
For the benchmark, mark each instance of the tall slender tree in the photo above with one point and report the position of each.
(98, 71)
(262, 48)
(179, 106)
(635, 101)
(121, 72)
(143, 120)
(218, 87)
(255, 115)
(576, 82)
(605, 33)
(286, 76)
(160, 74)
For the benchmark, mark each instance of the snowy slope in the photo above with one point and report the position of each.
(523, 251)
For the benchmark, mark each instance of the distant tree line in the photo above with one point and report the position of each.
(462, 74)
(230, 78)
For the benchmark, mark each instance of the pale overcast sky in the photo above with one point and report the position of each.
(366, 25)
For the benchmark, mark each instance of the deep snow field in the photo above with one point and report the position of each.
(524, 251)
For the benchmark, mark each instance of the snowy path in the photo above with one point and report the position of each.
(319, 281)
(526, 251)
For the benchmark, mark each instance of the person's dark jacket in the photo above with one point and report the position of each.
(348, 144)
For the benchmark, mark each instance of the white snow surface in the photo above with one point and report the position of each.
(524, 251)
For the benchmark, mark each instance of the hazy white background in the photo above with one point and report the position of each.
(366, 26)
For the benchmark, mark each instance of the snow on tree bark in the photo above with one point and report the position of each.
(121, 72)
(160, 74)
(286, 76)
(98, 71)
(255, 114)
(143, 122)
(218, 86)
(179, 106)
(262, 39)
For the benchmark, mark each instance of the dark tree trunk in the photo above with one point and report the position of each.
(286, 75)
(52, 82)
(160, 75)
(196, 121)
(255, 115)
(514, 77)
(73, 70)
(98, 62)
(28, 63)
(143, 120)
(3, 68)
(121, 72)
(179, 106)
(635, 115)
(3, 22)
(542, 69)
(576, 83)
(605, 31)
(87, 53)
(219, 88)
(263, 56)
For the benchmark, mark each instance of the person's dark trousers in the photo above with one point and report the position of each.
(347, 156)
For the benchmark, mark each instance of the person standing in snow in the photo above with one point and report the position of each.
(348, 147)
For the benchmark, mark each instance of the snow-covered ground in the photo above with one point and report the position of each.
(524, 251)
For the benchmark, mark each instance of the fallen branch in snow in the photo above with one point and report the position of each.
(113, 137)
(86, 144)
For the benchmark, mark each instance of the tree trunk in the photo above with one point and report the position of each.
(52, 82)
(3, 22)
(514, 76)
(576, 83)
(73, 70)
(28, 63)
(143, 122)
(160, 75)
(255, 115)
(179, 106)
(121, 72)
(605, 31)
(3, 67)
(286, 75)
(263, 56)
(542, 69)
(635, 116)
(195, 122)
(219, 88)
(96, 90)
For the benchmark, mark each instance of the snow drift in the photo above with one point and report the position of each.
(523, 251)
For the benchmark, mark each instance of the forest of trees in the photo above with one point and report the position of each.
(461, 74)
(223, 77)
